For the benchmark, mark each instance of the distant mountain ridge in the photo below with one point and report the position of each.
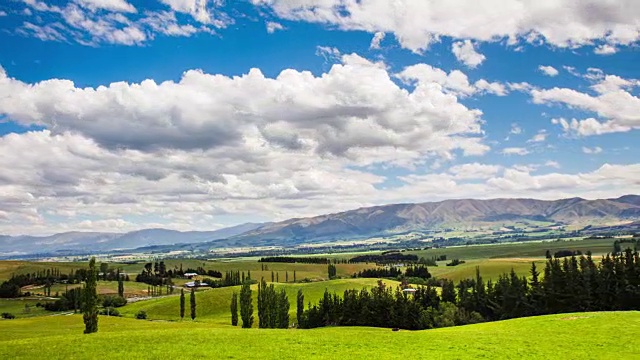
(96, 242)
(354, 224)
(398, 218)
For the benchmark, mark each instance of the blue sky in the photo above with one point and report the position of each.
(197, 114)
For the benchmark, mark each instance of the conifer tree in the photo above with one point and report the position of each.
(282, 320)
(300, 307)
(192, 299)
(294, 276)
(272, 276)
(182, 303)
(90, 303)
(234, 309)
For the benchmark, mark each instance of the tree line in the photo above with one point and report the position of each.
(569, 285)
(417, 271)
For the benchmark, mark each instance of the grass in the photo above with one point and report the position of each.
(18, 307)
(611, 335)
(518, 250)
(213, 305)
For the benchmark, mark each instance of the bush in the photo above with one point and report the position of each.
(141, 315)
(6, 315)
(114, 301)
(109, 311)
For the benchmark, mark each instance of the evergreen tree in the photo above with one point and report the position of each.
(246, 307)
(182, 303)
(120, 285)
(90, 301)
(272, 276)
(282, 320)
(192, 299)
(294, 276)
(299, 307)
(234, 309)
(286, 276)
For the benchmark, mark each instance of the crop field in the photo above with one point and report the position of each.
(566, 336)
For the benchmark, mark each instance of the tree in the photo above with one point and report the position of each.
(234, 309)
(294, 276)
(332, 271)
(246, 307)
(104, 268)
(90, 301)
(300, 307)
(282, 304)
(192, 299)
(120, 285)
(182, 303)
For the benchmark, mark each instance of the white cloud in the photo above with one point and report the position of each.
(112, 5)
(466, 53)
(548, 70)
(614, 103)
(515, 129)
(417, 24)
(273, 26)
(95, 22)
(552, 164)
(605, 49)
(204, 11)
(515, 151)
(3, 13)
(455, 82)
(354, 110)
(474, 171)
(595, 150)
(377, 39)
(541, 136)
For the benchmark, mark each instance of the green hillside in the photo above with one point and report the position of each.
(611, 335)
(213, 305)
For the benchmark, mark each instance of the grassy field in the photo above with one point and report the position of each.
(23, 308)
(610, 335)
(213, 305)
(518, 250)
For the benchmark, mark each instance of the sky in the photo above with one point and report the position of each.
(118, 115)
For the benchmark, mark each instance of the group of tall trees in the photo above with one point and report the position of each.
(385, 258)
(417, 271)
(568, 285)
(155, 274)
(192, 303)
(273, 306)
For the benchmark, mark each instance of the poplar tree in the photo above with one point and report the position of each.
(192, 299)
(182, 303)
(246, 308)
(234, 309)
(120, 285)
(90, 303)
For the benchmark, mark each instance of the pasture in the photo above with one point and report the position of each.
(566, 336)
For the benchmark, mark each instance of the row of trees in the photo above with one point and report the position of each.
(569, 285)
(192, 303)
(418, 271)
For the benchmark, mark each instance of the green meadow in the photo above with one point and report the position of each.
(564, 336)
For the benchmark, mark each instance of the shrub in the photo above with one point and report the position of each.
(114, 301)
(109, 311)
(141, 315)
(6, 315)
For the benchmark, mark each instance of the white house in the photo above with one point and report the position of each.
(190, 275)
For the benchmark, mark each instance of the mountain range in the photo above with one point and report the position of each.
(354, 224)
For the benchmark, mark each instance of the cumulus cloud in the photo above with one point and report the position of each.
(548, 70)
(273, 26)
(614, 103)
(515, 129)
(474, 171)
(112, 5)
(455, 82)
(417, 24)
(465, 52)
